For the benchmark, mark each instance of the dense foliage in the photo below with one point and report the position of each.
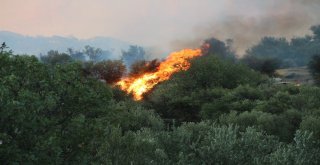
(296, 52)
(264, 65)
(217, 112)
(183, 95)
(132, 55)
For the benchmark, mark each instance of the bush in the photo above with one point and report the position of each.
(181, 96)
(48, 116)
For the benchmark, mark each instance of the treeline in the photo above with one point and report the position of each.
(218, 112)
(92, 54)
(97, 63)
(296, 52)
(269, 54)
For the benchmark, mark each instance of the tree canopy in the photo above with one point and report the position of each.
(58, 110)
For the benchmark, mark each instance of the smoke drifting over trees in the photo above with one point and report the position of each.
(164, 23)
(248, 21)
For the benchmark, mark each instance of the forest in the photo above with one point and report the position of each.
(63, 107)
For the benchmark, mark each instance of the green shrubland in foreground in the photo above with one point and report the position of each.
(217, 112)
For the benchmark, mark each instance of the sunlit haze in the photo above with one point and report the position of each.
(163, 24)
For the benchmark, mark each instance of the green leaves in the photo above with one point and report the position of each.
(44, 110)
(188, 93)
(60, 115)
(304, 150)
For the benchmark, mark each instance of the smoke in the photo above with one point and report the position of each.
(248, 23)
(158, 23)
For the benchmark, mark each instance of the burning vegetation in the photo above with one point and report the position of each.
(139, 84)
(65, 96)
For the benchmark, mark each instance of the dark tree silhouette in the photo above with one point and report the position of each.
(53, 57)
(219, 48)
(133, 54)
(314, 68)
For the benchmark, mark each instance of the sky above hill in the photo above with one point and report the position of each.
(167, 24)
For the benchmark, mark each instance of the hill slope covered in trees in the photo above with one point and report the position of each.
(217, 112)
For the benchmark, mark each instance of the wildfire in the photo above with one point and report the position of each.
(141, 84)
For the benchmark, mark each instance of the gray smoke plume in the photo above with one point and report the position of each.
(246, 26)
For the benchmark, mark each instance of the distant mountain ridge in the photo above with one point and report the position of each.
(36, 45)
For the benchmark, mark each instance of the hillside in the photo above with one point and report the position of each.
(39, 45)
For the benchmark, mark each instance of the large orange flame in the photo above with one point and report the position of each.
(141, 84)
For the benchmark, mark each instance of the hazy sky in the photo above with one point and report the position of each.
(161, 23)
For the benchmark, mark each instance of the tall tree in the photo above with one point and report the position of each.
(219, 48)
(133, 54)
(264, 65)
(53, 57)
(110, 71)
(76, 55)
(93, 53)
(3, 47)
(314, 68)
(316, 31)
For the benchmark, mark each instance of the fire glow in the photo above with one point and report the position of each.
(176, 61)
